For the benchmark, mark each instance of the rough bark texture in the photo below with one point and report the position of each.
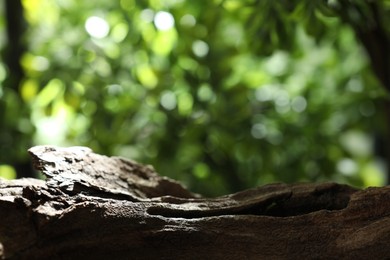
(95, 207)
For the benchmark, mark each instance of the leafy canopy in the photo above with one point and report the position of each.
(222, 95)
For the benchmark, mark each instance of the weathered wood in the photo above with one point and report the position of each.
(95, 207)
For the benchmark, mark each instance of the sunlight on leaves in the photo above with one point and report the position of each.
(29, 90)
(164, 42)
(146, 76)
(7, 172)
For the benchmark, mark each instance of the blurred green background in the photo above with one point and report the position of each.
(221, 95)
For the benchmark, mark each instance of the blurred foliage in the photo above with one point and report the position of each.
(221, 95)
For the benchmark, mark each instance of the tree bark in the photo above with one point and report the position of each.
(95, 207)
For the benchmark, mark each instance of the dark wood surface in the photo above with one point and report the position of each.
(97, 207)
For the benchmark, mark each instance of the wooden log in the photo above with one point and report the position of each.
(95, 207)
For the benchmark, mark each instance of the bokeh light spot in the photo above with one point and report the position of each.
(168, 100)
(97, 27)
(7, 172)
(299, 104)
(200, 48)
(188, 20)
(164, 21)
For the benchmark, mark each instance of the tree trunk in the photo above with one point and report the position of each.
(95, 207)
(371, 30)
(11, 135)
